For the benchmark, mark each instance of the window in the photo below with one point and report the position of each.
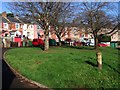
(82, 35)
(12, 33)
(86, 35)
(31, 26)
(38, 33)
(66, 35)
(38, 27)
(28, 33)
(21, 26)
(75, 34)
(17, 25)
(5, 25)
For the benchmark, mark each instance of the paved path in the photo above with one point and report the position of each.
(10, 80)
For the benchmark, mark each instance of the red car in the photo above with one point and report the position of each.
(102, 45)
(38, 42)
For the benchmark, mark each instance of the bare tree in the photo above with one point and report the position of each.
(41, 13)
(61, 19)
(95, 16)
(115, 17)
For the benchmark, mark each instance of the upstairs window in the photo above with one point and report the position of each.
(86, 35)
(31, 26)
(21, 26)
(75, 34)
(5, 25)
(82, 35)
(17, 25)
(38, 27)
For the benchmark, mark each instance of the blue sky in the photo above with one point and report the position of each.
(3, 6)
(0, 6)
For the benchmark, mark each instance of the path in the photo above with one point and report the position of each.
(10, 80)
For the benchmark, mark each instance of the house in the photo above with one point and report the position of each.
(72, 33)
(24, 27)
(115, 38)
(11, 25)
(31, 30)
(39, 32)
(5, 26)
(78, 34)
(15, 27)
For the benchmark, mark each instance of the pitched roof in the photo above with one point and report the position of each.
(4, 20)
(25, 20)
(114, 32)
(12, 19)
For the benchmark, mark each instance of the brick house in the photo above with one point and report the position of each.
(115, 36)
(11, 25)
(72, 33)
(20, 26)
(5, 27)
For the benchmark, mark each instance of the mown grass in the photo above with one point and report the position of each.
(66, 67)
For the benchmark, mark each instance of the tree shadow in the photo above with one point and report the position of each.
(9, 79)
(91, 63)
(80, 47)
(112, 67)
(7, 76)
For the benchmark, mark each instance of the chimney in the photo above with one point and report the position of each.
(4, 14)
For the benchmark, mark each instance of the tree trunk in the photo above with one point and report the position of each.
(60, 43)
(96, 41)
(98, 54)
(59, 40)
(46, 46)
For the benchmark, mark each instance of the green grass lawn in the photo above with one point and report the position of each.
(66, 67)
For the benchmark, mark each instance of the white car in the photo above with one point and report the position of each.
(90, 42)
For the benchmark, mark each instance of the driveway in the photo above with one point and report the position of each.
(10, 80)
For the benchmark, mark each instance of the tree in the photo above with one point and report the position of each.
(60, 20)
(115, 17)
(39, 12)
(95, 17)
(10, 15)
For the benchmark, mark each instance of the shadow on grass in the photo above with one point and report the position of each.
(42, 47)
(91, 63)
(80, 47)
(112, 68)
(7, 76)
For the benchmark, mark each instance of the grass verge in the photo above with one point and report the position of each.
(66, 67)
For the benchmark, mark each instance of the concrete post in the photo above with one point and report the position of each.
(8, 43)
(4, 41)
(99, 60)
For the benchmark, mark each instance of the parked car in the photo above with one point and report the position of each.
(68, 40)
(102, 45)
(38, 42)
(89, 44)
(77, 43)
